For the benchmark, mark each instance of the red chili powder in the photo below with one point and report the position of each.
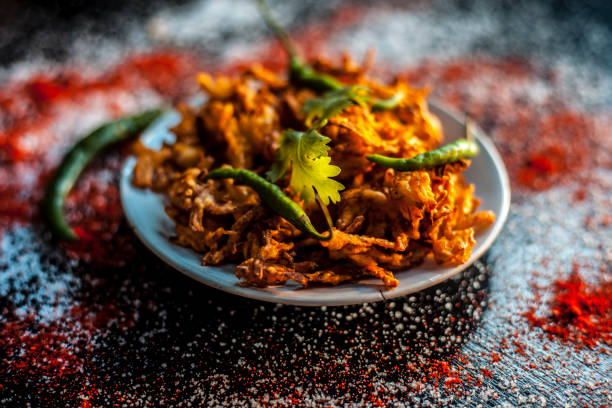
(540, 149)
(579, 312)
(311, 41)
(31, 109)
(35, 348)
(31, 105)
(56, 351)
(449, 374)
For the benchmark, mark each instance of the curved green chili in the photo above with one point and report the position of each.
(303, 74)
(77, 159)
(273, 197)
(459, 149)
(299, 72)
(389, 103)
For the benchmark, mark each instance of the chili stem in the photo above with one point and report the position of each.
(279, 32)
(469, 129)
(325, 211)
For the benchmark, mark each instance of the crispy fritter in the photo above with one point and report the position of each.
(386, 220)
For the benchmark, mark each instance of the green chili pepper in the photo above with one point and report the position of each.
(459, 149)
(274, 198)
(389, 103)
(77, 159)
(299, 72)
(303, 74)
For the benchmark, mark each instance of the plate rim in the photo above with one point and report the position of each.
(262, 294)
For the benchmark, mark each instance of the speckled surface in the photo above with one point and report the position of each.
(122, 329)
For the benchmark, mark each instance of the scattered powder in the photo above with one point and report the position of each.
(103, 322)
(579, 312)
(43, 115)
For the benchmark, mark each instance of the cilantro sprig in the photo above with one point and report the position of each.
(306, 154)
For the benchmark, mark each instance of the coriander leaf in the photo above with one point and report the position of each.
(306, 153)
(332, 103)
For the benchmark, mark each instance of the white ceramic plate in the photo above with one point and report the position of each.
(145, 212)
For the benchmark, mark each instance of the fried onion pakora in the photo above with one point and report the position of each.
(385, 221)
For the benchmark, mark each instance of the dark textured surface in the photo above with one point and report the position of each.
(141, 334)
